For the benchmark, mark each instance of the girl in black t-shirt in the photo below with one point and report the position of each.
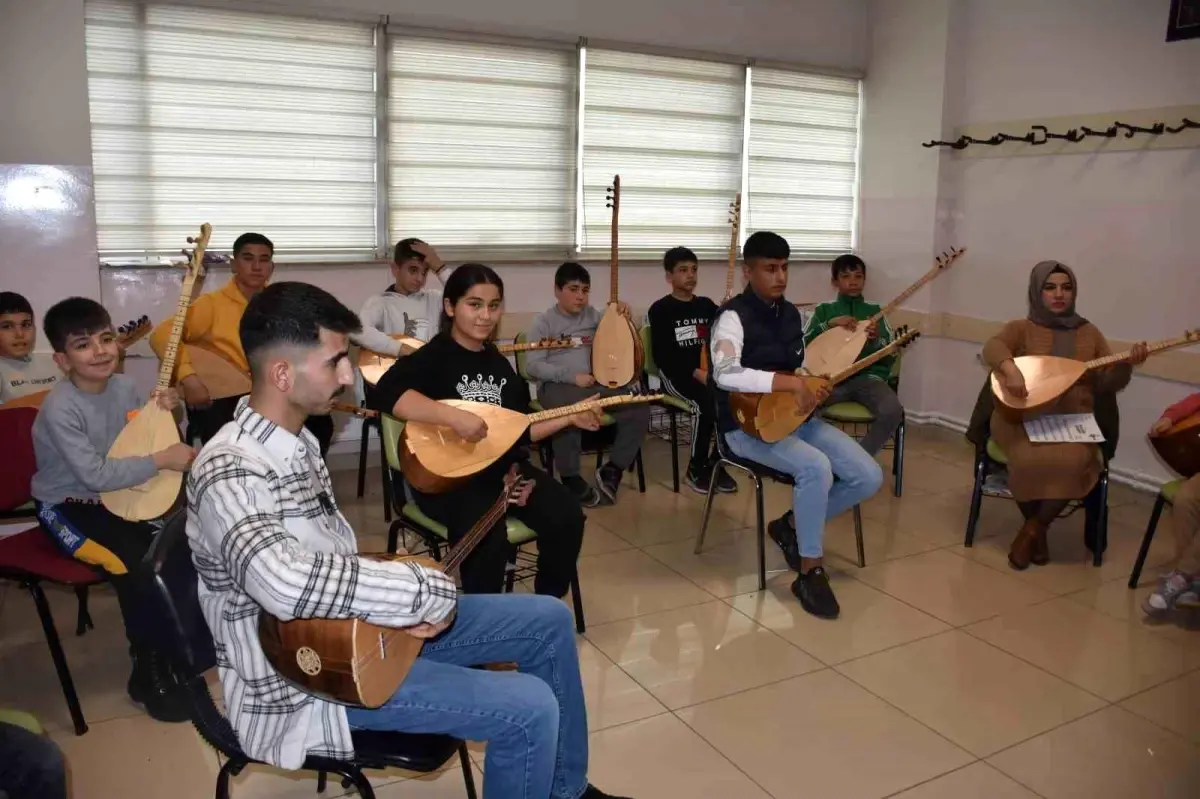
(460, 362)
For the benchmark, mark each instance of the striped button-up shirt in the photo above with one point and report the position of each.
(267, 537)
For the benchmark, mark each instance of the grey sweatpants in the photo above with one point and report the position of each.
(632, 423)
(878, 398)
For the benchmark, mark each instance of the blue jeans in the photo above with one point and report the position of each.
(534, 720)
(31, 766)
(813, 455)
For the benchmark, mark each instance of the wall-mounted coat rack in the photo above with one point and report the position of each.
(1163, 128)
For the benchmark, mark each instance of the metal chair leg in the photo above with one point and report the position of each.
(386, 479)
(321, 782)
(641, 473)
(760, 515)
(577, 603)
(360, 783)
(708, 498)
(1101, 521)
(858, 537)
(223, 780)
(56, 654)
(674, 450)
(468, 772)
(363, 446)
(1147, 539)
(981, 472)
(898, 460)
(83, 621)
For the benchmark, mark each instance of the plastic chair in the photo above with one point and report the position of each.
(419, 752)
(364, 443)
(1166, 496)
(436, 536)
(671, 404)
(1095, 504)
(30, 558)
(756, 472)
(855, 413)
(591, 442)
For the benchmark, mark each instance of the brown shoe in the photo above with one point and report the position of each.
(1041, 548)
(1020, 554)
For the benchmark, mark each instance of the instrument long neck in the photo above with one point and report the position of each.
(612, 258)
(904, 295)
(866, 362)
(1157, 346)
(733, 244)
(476, 534)
(171, 351)
(587, 405)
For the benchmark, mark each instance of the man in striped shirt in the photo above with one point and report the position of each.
(268, 537)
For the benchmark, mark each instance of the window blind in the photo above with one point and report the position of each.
(248, 121)
(672, 129)
(481, 146)
(803, 159)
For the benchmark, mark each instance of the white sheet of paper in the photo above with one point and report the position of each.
(1064, 428)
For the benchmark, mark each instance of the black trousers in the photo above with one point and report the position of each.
(203, 423)
(700, 397)
(552, 511)
(91, 533)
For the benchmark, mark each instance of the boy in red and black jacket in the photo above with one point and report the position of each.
(678, 333)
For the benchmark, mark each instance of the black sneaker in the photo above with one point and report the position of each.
(697, 479)
(583, 492)
(608, 480)
(815, 595)
(725, 483)
(154, 686)
(784, 535)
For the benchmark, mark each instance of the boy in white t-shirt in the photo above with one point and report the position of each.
(406, 307)
(22, 371)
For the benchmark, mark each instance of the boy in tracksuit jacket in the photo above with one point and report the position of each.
(869, 388)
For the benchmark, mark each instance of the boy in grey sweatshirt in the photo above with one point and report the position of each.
(77, 424)
(565, 376)
(406, 307)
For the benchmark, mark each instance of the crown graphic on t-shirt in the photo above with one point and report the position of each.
(480, 390)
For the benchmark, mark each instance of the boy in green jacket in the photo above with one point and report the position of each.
(870, 387)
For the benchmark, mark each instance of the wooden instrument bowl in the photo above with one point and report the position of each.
(152, 430)
(373, 367)
(617, 356)
(417, 475)
(834, 350)
(775, 416)
(221, 378)
(1179, 446)
(1046, 379)
(444, 453)
(348, 661)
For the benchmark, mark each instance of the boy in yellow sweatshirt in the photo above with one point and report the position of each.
(212, 322)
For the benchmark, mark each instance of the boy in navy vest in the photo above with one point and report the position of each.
(757, 344)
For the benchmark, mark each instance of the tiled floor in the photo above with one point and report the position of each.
(948, 675)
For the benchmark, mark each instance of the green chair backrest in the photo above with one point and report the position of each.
(894, 375)
(519, 356)
(650, 366)
(390, 429)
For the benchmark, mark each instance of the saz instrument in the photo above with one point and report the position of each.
(128, 334)
(617, 356)
(1047, 377)
(154, 429)
(354, 410)
(735, 223)
(434, 458)
(1179, 446)
(837, 347)
(775, 416)
(220, 377)
(374, 366)
(354, 662)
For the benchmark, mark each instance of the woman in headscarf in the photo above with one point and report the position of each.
(1044, 478)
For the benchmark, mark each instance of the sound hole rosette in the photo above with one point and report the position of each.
(308, 660)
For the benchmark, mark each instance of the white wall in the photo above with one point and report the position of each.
(1126, 222)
